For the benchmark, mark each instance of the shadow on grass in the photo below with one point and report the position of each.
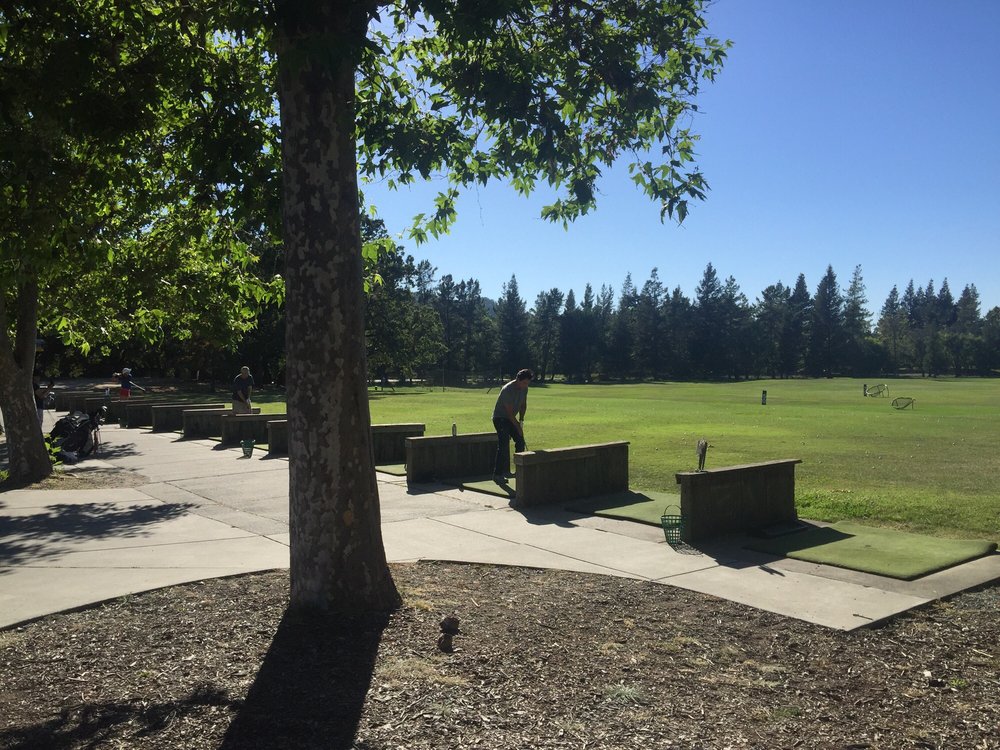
(311, 687)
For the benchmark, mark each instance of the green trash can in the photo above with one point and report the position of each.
(247, 446)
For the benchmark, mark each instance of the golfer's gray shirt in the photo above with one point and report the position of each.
(510, 395)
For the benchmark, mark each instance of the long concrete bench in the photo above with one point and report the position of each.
(197, 423)
(736, 498)
(388, 440)
(169, 417)
(447, 456)
(238, 427)
(561, 474)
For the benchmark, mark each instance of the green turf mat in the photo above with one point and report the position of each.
(487, 485)
(398, 470)
(644, 507)
(885, 552)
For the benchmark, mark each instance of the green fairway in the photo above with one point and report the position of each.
(933, 468)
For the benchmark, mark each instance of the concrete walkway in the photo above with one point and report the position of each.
(201, 511)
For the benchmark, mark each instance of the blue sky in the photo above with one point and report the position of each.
(840, 132)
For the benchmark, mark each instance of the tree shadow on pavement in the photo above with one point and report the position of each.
(51, 530)
(311, 687)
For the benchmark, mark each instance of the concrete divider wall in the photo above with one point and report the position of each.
(389, 441)
(92, 402)
(95, 401)
(205, 422)
(237, 427)
(73, 400)
(561, 474)
(737, 498)
(441, 457)
(277, 437)
(167, 417)
(139, 413)
(118, 409)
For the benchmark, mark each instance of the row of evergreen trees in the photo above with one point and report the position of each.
(420, 326)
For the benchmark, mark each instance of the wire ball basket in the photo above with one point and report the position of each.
(673, 525)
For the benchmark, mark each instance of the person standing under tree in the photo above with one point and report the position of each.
(242, 389)
(508, 420)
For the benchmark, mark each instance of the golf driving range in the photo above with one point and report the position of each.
(929, 470)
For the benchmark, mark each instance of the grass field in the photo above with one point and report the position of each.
(934, 468)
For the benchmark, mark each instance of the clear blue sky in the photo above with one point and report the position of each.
(840, 132)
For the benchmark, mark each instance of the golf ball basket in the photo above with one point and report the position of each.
(673, 525)
(247, 446)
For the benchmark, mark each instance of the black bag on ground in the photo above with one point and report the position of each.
(73, 434)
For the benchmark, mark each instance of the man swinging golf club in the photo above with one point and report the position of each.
(508, 420)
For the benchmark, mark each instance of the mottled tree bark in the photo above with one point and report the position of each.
(28, 460)
(337, 555)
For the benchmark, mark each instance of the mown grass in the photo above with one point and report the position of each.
(934, 468)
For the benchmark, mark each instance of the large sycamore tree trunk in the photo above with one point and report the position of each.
(337, 555)
(27, 457)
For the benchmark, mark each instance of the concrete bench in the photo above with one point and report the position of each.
(277, 437)
(446, 456)
(737, 498)
(388, 440)
(198, 423)
(562, 474)
(239, 427)
(169, 417)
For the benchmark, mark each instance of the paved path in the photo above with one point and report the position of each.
(202, 511)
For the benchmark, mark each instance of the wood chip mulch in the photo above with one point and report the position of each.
(542, 659)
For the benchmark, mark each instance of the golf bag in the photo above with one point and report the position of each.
(74, 436)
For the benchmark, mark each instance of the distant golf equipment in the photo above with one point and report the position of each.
(902, 402)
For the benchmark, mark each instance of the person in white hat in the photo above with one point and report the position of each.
(126, 384)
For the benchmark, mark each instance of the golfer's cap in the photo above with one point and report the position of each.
(126, 370)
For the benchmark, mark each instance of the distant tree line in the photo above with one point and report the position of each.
(421, 325)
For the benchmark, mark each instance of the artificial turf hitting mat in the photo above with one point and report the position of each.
(487, 485)
(884, 552)
(644, 507)
(398, 470)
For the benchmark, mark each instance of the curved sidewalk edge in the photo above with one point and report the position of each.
(201, 511)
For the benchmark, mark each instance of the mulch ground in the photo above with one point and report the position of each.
(543, 659)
